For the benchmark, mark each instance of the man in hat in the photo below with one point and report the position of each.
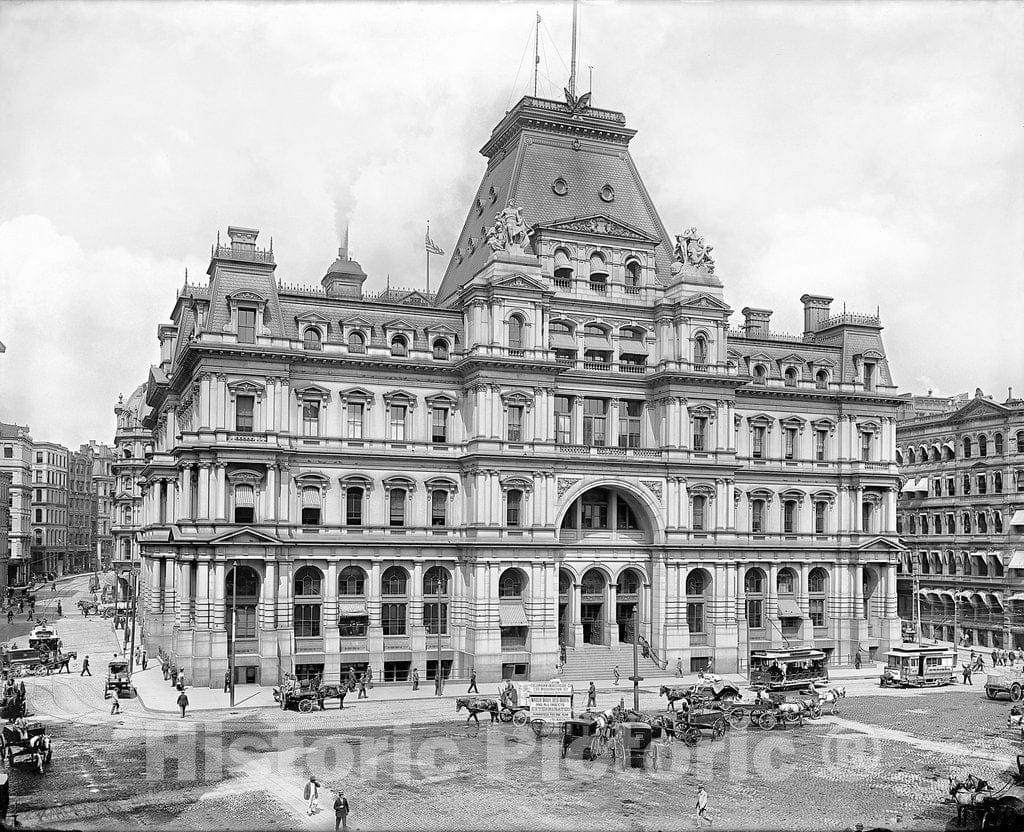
(311, 794)
(702, 806)
(340, 811)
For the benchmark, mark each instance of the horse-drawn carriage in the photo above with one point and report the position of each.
(87, 606)
(712, 691)
(119, 679)
(22, 740)
(998, 809)
(306, 695)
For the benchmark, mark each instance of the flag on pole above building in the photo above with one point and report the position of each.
(431, 246)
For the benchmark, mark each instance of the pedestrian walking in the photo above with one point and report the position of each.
(182, 703)
(143, 659)
(85, 667)
(115, 705)
(591, 696)
(362, 688)
(21, 606)
(227, 681)
(679, 667)
(472, 681)
(54, 586)
(702, 806)
(856, 660)
(967, 675)
(174, 675)
(616, 674)
(415, 679)
(369, 677)
(1012, 657)
(311, 794)
(60, 609)
(167, 670)
(340, 811)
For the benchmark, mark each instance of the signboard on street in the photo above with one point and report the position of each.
(551, 701)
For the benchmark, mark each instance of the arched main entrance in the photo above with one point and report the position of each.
(606, 514)
(241, 596)
(592, 606)
(565, 622)
(627, 604)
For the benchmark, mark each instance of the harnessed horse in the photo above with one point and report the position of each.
(476, 705)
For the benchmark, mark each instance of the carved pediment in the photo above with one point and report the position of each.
(977, 408)
(246, 294)
(399, 325)
(246, 536)
(519, 281)
(600, 225)
(355, 322)
(702, 300)
(792, 358)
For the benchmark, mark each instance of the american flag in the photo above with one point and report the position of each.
(431, 246)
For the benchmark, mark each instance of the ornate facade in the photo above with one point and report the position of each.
(16, 460)
(566, 442)
(961, 516)
(131, 441)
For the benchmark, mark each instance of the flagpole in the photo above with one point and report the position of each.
(428, 258)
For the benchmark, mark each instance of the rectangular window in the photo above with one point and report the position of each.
(310, 516)
(865, 447)
(311, 418)
(243, 413)
(398, 422)
(433, 622)
(695, 617)
(355, 420)
(392, 619)
(951, 487)
(39, 457)
(513, 508)
(869, 376)
(246, 325)
(396, 507)
(438, 508)
(700, 433)
(354, 507)
(757, 516)
(758, 449)
(865, 517)
(563, 420)
(8, 452)
(594, 419)
(816, 607)
(629, 423)
(789, 517)
(515, 423)
(245, 621)
(698, 513)
(307, 620)
(439, 425)
(755, 619)
(819, 518)
(790, 443)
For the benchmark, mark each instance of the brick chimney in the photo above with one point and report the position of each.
(243, 239)
(755, 321)
(815, 311)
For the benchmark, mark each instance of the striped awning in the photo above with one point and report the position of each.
(245, 496)
(512, 615)
(352, 609)
(561, 341)
(628, 346)
(310, 496)
(788, 608)
(597, 342)
(922, 485)
(908, 487)
(1017, 596)
(1017, 560)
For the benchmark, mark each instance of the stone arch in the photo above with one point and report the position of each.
(650, 510)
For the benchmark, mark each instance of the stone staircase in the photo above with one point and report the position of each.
(593, 662)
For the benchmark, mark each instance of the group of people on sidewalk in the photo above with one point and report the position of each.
(311, 794)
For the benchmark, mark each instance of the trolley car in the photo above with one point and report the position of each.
(912, 665)
(787, 669)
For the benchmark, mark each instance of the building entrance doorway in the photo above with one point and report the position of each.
(593, 622)
(624, 617)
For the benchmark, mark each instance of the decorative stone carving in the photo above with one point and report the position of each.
(566, 483)
(654, 486)
(509, 232)
(691, 250)
(599, 225)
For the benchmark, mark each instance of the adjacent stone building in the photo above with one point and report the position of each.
(131, 442)
(50, 507)
(566, 442)
(102, 483)
(16, 460)
(5, 527)
(961, 517)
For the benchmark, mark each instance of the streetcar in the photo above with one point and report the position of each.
(788, 669)
(912, 665)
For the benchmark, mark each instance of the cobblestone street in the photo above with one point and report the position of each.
(883, 760)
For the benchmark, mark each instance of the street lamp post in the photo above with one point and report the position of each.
(234, 631)
(438, 672)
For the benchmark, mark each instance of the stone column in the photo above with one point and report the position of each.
(203, 595)
(220, 493)
(186, 492)
(219, 576)
(203, 511)
(183, 596)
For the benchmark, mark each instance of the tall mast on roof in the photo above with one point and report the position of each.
(572, 71)
(536, 54)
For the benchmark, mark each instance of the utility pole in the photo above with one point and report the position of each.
(131, 646)
(234, 631)
(438, 672)
(917, 608)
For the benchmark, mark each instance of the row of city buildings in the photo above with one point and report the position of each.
(55, 507)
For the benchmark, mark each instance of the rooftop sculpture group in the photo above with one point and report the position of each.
(509, 232)
(690, 250)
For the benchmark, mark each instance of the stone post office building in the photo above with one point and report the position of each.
(566, 441)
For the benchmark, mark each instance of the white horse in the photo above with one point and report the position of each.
(831, 696)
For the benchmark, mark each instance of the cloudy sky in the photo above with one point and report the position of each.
(872, 152)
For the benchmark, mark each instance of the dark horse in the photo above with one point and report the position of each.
(675, 694)
(476, 705)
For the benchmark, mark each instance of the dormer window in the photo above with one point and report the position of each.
(246, 325)
(563, 269)
(399, 346)
(311, 339)
(632, 276)
(821, 380)
(760, 374)
(869, 376)
(356, 342)
(515, 332)
(791, 377)
(440, 350)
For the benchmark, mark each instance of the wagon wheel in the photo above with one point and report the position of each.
(691, 736)
(767, 720)
(597, 747)
(736, 717)
(1016, 691)
(718, 729)
(39, 670)
(540, 728)
(793, 719)
(520, 718)
(306, 705)
(505, 715)
(651, 758)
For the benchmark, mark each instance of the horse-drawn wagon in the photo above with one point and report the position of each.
(26, 740)
(307, 694)
(999, 809)
(119, 679)
(709, 692)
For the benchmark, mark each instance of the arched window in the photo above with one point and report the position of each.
(983, 445)
(308, 581)
(816, 580)
(700, 350)
(753, 581)
(399, 346)
(352, 581)
(356, 342)
(394, 581)
(753, 589)
(440, 350)
(632, 276)
(785, 583)
(308, 601)
(598, 272)
(510, 584)
(513, 507)
(821, 380)
(241, 597)
(628, 583)
(245, 503)
(967, 447)
(697, 586)
(695, 583)
(563, 267)
(760, 374)
(515, 332)
(997, 442)
(435, 581)
(311, 339)
(435, 613)
(791, 377)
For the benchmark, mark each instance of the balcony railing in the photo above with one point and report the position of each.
(244, 436)
(597, 365)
